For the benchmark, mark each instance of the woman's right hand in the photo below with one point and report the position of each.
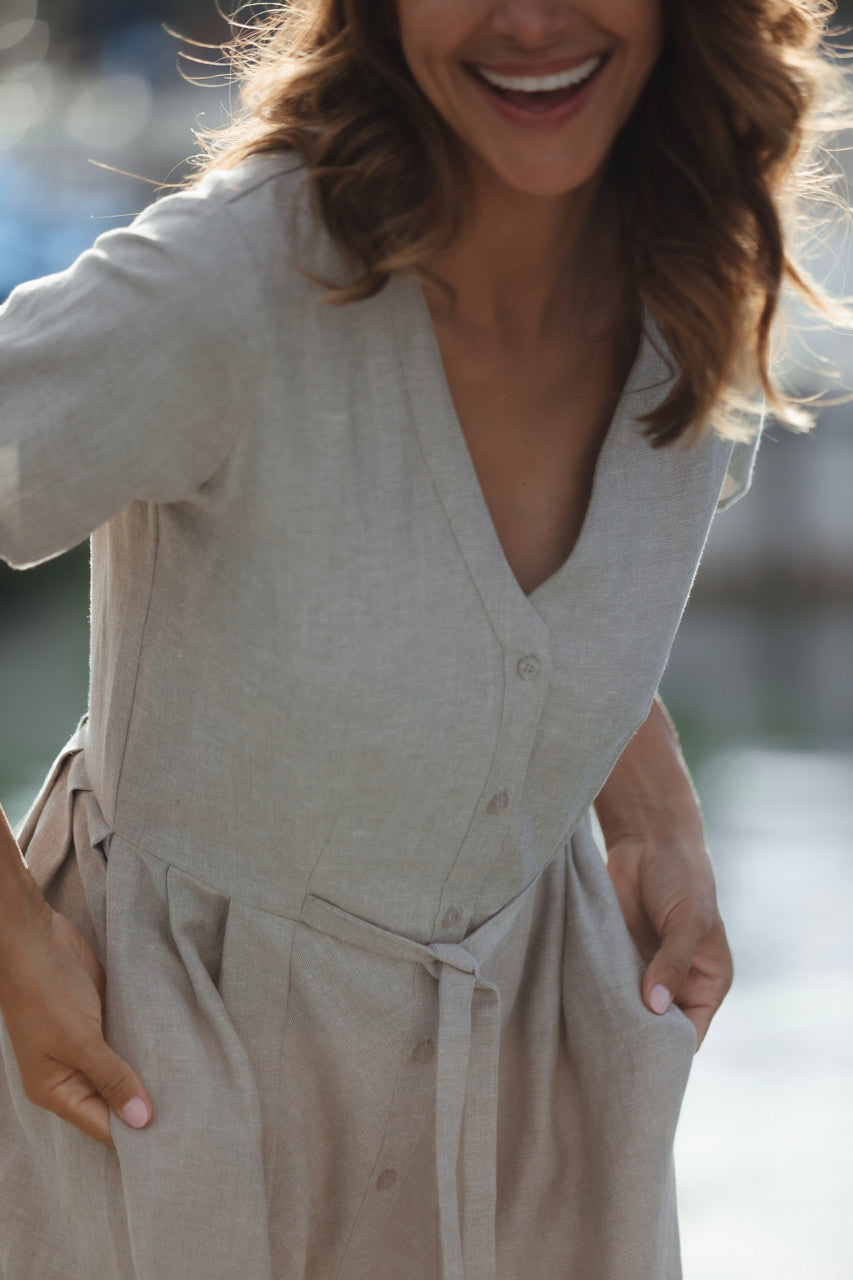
(52, 1000)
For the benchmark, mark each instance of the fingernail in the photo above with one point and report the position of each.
(660, 999)
(135, 1113)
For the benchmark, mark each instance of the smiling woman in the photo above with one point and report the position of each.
(565, 109)
(311, 934)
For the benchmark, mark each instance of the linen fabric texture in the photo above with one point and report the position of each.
(326, 822)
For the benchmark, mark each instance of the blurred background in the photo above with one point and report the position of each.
(760, 681)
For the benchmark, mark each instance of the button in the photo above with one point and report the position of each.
(424, 1051)
(451, 917)
(529, 666)
(498, 803)
(386, 1179)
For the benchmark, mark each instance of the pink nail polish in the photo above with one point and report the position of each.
(660, 999)
(135, 1113)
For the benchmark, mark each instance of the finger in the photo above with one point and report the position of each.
(117, 1084)
(700, 999)
(74, 1099)
(700, 1015)
(669, 967)
(709, 980)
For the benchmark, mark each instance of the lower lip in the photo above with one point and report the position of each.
(539, 121)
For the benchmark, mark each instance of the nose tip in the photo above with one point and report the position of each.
(532, 24)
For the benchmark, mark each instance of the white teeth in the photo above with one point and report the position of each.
(542, 84)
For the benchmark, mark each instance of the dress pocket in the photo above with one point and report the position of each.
(236, 959)
(198, 1169)
(632, 1066)
(600, 947)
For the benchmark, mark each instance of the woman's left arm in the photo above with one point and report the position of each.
(659, 865)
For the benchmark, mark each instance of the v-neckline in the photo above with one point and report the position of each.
(452, 468)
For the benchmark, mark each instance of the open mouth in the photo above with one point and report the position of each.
(539, 94)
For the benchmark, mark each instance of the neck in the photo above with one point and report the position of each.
(526, 265)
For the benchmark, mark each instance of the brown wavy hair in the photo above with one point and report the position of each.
(720, 171)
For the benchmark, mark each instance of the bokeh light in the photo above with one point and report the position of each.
(110, 111)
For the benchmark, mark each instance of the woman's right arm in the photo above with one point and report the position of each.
(127, 377)
(52, 1001)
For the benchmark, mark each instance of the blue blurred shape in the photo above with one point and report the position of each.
(142, 48)
(42, 228)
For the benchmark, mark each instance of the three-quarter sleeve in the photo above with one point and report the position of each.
(128, 376)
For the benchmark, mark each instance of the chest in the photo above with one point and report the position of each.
(338, 593)
(534, 423)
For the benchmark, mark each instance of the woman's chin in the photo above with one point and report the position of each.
(536, 180)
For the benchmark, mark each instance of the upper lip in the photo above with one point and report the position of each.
(551, 68)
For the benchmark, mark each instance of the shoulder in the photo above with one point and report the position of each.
(220, 255)
(263, 191)
(259, 211)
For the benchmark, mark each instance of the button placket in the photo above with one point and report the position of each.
(412, 1108)
(527, 670)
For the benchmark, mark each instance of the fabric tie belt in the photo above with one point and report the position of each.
(468, 1039)
(469, 1025)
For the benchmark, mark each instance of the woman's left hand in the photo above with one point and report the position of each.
(662, 875)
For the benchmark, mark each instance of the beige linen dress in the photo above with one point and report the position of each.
(325, 824)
